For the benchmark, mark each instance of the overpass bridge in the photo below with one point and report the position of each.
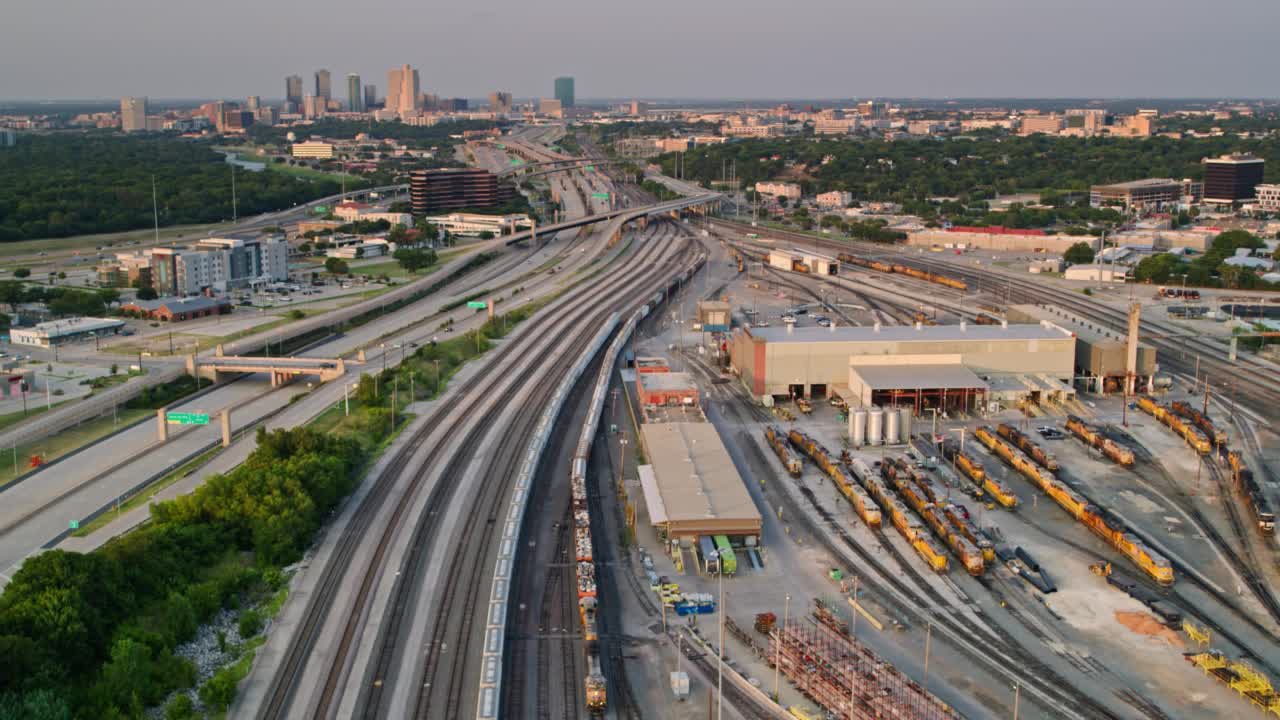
(281, 369)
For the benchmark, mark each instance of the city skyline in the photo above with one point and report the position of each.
(998, 49)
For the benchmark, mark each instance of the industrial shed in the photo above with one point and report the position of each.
(1100, 351)
(810, 362)
(949, 386)
(666, 388)
(695, 489)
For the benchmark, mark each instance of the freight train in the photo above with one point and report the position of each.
(900, 269)
(985, 319)
(1098, 519)
(778, 441)
(1028, 446)
(908, 526)
(585, 579)
(1248, 488)
(861, 502)
(1216, 435)
(1192, 434)
(1092, 435)
(911, 487)
(972, 469)
(596, 686)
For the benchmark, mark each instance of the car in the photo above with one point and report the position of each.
(789, 319)
(760, 323)
(823, 322)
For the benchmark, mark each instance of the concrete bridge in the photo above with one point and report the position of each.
(282, 370)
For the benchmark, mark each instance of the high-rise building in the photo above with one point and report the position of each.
(323, 88)
(314, 106)
(454, 105)
(1231, 178)
(550, 107)
(437, 190)
(252, 103)
(370, 96)
(293, 90)
(355, 100)
(564, 91)
(402, 89)
(133, 114)
(500, 102)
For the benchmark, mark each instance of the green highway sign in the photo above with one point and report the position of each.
(75, 525)
(477, 304)
(600, 196)
(591, 167)
(180, 418)
(517, 161)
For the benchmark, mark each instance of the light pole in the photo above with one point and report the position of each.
(720, 655)
(1016, 692)
(928, 637)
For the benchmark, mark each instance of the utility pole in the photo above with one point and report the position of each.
(928, 637)
(234, 210)
(155, 208)
(720, 655)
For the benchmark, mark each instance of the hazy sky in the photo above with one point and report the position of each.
(647, 48)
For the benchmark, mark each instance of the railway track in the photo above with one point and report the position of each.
(462, 580)
(453, 626)
(284, 684)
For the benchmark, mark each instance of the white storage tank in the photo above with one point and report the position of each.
(904, 425)
(875, 426)
(891, 426)
(858, 428)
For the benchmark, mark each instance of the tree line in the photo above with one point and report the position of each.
(64, 184)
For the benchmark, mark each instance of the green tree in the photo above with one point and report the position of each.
(486, 235)
(146, 292)
(21, 272)
(337, 266)
(414, 259)
(1080, 253)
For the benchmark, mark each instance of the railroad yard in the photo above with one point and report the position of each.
(1093, 559)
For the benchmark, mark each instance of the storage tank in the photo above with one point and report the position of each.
(904, 424)
(858, 428)
(891, 426)
(875, 426)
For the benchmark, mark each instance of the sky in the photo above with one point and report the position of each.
(83, 49)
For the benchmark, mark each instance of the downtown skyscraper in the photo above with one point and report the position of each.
(293, 91)
(355, 93)
(402, 89)
(133, 114)
(323, 86)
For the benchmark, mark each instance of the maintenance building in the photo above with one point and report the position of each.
(691, 488)
(1100, 351)
(61, 332)
(878, 363)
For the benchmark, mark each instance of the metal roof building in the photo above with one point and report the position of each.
(810, 361)
(694, 488)
(1100, 351)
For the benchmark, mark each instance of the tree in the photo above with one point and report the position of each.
(337, 266)
(146, 292)
(486, 235)
(414, 259)
(1080, 253)
(21, 273)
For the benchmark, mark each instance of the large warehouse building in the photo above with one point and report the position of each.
(693, 488)
(954, 366)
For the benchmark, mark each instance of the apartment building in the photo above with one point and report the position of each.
(791, 191)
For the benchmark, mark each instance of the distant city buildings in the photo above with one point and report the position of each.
(323, 87)
(1268, 197)
(355, 93)
(551, 108)
(1046, 124)
(500, 102)
(293, 91)
(370, 96)
(133, 114)
(474, 224)
(432, 191)
(834, 199)
(211, 265)
(1231, 179)
(564, 92)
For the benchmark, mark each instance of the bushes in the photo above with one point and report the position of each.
(157, 396)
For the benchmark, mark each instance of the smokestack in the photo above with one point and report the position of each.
(1131, 351)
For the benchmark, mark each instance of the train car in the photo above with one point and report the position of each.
(1093, 436)
(1216, 435)
(861, 502)
(1253, 496)
(710, 557)
(597, 688)
(985, 319)
(1024, 443)
(1170, 419)
(902, 479)
(970, 468)
(961, 522)
(777, 440)
(728, 559)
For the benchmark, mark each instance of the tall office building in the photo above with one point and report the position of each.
(323, 88)
(293, 90)
(370, 96)
(1231, 178)
(355, 100)
(133, 114)
(500, 102)
(402, 89)
(564, 91)
(252, 103)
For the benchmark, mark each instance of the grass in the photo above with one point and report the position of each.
(205, 342)
(17, 417)
(143, 496)
(391, 269)
(55, 446)
(89, 242)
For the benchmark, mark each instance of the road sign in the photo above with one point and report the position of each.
(320, 210)
(179, 418)
(591, 168)
(74, 524)
(600, 196)
(477, 304)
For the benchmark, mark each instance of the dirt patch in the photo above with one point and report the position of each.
(1148, 625)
